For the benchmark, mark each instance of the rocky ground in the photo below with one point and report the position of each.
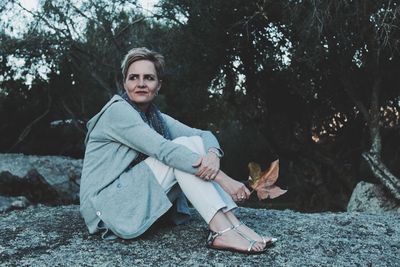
(33, 234)
(56, 236)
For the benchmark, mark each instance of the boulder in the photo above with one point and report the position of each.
(372, 198)
(57, 236)
(42, 179)
(11, 203)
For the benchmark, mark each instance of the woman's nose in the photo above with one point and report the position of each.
(141, 82)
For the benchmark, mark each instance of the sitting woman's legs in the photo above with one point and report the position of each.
(208, 198)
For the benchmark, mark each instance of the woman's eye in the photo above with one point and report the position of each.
(150, 78)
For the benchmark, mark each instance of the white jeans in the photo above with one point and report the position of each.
(207, 197)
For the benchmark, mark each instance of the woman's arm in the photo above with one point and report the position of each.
(209, 164)
(122, 124)
(178, 129)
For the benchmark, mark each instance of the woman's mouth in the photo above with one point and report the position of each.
(141, 92)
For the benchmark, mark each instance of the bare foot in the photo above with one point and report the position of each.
(253, 235)
(232, 239)
(246, 230)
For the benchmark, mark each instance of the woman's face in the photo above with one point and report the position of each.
(141, 83)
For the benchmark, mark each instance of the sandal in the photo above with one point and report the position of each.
(266, 243)
(213, 235)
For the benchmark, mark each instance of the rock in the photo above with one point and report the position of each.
(42, 179)
(372, 198)
(11, 203)
(57, 236)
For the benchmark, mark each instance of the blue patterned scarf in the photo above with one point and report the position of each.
(154, 119)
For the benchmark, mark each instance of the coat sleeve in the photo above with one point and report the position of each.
(178, 129)
(124, 125)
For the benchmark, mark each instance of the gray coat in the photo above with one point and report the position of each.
(129, 202)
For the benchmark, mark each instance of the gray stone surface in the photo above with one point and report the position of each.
(12, 203)
(56, 236)
(372, 198)
(49, 177)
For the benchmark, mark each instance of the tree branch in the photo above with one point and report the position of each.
(28, 128)
(360, 106)
(391, 182)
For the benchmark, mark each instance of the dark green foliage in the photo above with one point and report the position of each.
(304, 81)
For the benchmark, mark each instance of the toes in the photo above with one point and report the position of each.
(258, 246)
(268, 240)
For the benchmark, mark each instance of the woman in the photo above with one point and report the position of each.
(139, 163)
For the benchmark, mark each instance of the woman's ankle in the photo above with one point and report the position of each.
(219, 222)
(232, 218)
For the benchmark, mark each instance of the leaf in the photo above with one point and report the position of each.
(266, 178)
(263, 182)
(270, 176)
(270, 192)
(255, 171)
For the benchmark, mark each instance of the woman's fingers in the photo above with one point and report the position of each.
(247, 191)
(215, 175)
(203, 171)
(242, 193)
(241, 197)
(235, 198)
(209, 175)
(209, 171)
(208, 168)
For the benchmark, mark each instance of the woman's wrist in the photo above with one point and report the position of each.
(213, 155)
(214, 176)
(217, 178)
(215, 151)
(220, 177)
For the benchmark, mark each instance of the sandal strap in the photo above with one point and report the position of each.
(245, 236)
(215, 234)
(241, 233)
(225, 230)
(251, 241)
(251, 245)
(237, 225)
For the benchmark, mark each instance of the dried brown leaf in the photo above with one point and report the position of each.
(263, 182)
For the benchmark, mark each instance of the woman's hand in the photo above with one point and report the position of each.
(208, 166)
(237, 190)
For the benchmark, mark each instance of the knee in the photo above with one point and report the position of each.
(194, 143)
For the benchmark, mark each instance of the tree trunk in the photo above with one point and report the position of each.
(372, 118)
(373, 157)
(391, 182)
(374, 122)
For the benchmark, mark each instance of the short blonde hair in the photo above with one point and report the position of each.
(142, 53)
